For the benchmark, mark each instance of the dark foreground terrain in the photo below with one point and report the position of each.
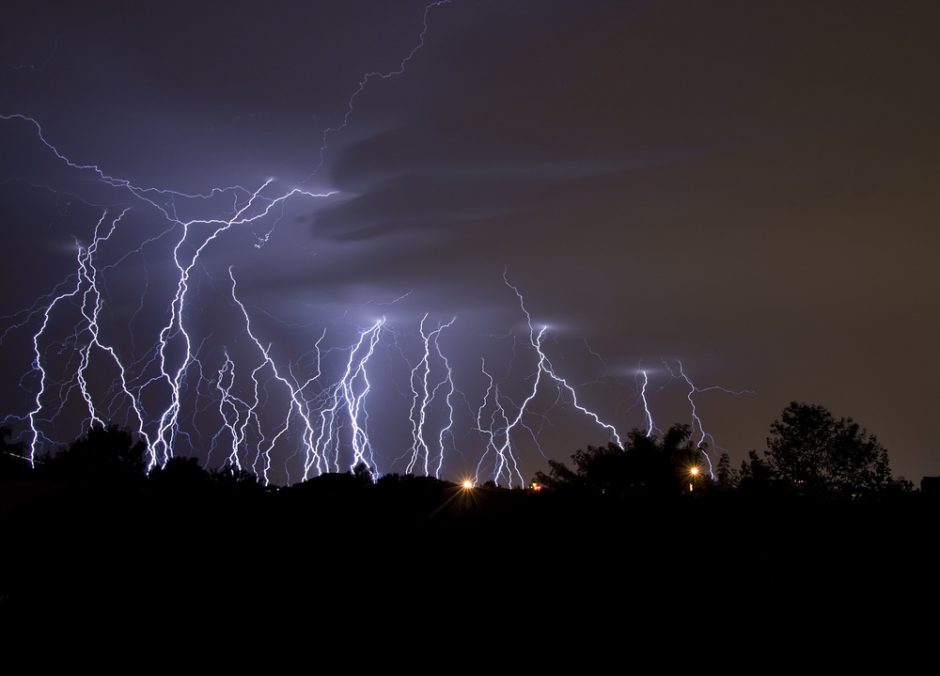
(333, 547)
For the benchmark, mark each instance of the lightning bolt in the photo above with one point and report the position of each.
(86, 284)
(355, 386)
(423, 396)
(503, 449)
(650, 426)
(506, 468)
(229, 411)
(298, 406)
(372, 76)
(697, 425)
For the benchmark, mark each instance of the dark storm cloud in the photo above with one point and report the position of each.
(458, 202)
(751, 186)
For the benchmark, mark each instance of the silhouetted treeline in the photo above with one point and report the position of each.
(809, 453)
(89, 527)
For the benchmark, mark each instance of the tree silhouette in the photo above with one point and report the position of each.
(104, 454)
(13, 461)
(362, 473)
(649, 464)
(726, 478)
(645, 466)
(180, 474)
(814, 453)
(756, 473)
(559, 477)
(238, 480)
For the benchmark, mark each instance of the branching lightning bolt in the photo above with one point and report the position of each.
(697, 425)
(424, 396)
(503, 449)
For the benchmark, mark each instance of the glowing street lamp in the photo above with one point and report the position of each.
(693, 474)
(464, 488)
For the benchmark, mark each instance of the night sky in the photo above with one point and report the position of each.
(751, 188)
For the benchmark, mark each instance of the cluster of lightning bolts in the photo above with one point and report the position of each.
(498, 431)
(326, 420)
(423, 398)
